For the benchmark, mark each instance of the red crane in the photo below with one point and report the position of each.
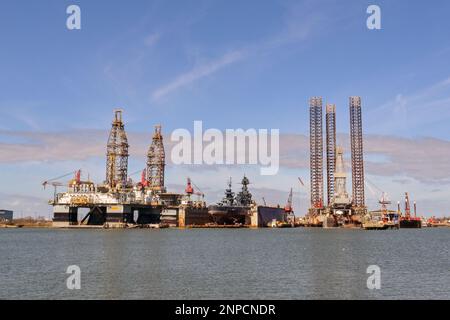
(407, 207)
(144, 181)
(190, 189)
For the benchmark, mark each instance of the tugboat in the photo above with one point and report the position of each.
(381, 219)
(407, 221)
(233, 210)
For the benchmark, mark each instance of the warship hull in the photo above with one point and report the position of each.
(229, 215)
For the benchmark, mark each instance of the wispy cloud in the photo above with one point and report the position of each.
(22, 111)
(198, 72)
(152, 39)
(404, 112)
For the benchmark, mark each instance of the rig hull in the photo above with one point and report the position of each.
(268, 214)
(410, 223)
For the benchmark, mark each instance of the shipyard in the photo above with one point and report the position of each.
(120, 202)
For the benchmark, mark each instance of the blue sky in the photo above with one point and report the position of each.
(231, 64)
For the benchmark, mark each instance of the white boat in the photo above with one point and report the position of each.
(424, 223)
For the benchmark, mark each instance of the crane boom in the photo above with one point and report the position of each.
(288, 207)
(54, 180)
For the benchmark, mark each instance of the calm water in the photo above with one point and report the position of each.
(224, 264)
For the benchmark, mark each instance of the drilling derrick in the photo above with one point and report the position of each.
(156, 161)
(331, 150)
(316, 152)
(117, 154)
(356, 139)
(341, 197)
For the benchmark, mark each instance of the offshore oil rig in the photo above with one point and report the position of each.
(119, 202)
(340, 208)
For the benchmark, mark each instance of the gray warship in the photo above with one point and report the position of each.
(233, 209)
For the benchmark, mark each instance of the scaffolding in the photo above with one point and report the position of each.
(117, 154)
(331, 149)
(316, 152)
(356, 140)
(156, 161)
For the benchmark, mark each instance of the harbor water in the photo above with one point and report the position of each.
(300, 263)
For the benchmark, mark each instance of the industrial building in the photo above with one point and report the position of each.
(339, 208)
(6, 215)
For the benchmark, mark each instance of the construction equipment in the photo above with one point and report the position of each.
(289, 212)
(384, 201)
(144, 181)
(407, 206)
(288, 207)
(55, 184)
(190, 189)
(77, 173)
(406, 221)
(264, 201)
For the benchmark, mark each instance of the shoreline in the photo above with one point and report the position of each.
(87, 227)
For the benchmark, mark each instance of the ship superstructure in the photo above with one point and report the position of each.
(232, 209)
